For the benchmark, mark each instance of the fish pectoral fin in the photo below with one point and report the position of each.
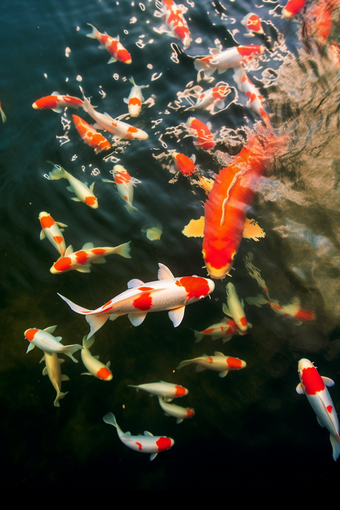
(226, 310)
(217, 353)
(147, 433)
(252, 230)
(195, 228)
(136, 318)
(44, 372)
(299, 389)
(88, 246)
(50, 329)
(65, 377)
(42, 235)
(84, 269)
(223, 374)
(61, 224)
(153, 456)
(176, 316)
(76, 199)
(30, 347)
(328, 381)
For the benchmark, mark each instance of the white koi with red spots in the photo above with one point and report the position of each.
(81, 260)
(44, 340)
(168, 293)
(125, 184)
(135, 99)
(92, 363)
(166, 390)
(80, 189)
(146, 443)
(53, 370)
(52, 232)
(112, 45)
(255, 100)
(175, 22)
(225, 330)
(234, 307)
(212, 98)
(315, 388)
(222, 60)
(292, 8)
(57, 102)
(252, 23)
(218, 362)
(181, 413)
(121, 129)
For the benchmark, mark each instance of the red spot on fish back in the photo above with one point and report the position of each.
(139, 446)
(145, 289)
(143, 302)
(103, 373)
(209, 359)
(312, 381)
(180, 391)
(329, 409)
(304, 315)
(249, 50)
(243, 321)
(98, 251)
(58, 239)
(47, 221)
(163, 443)
(122, 178)
(233, 363)
(195, 286)
(30, 333)
(81, 257)
(90, 201)
(135, 101)
(63, 264)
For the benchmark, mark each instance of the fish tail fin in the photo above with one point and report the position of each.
(59, 397)
(57, 173)
(96, 322)
(258, 301)
(124, 250)
(76, 308)
(88, 342)
(198, 336)
(71, 349)
(335, 442)
(93, 34)
(184, 363)
(110, 419)
(130, 208)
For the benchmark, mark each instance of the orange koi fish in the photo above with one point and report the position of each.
(203, 135)
(175, 21)
(227, 59)
(225, 330)
(90, 135)
(255, 99)
(184, 164)
(211, 98)
(112, 45)
(57, 102)
(51, 231)
(252, 23)
(292, 8)
(81, 260)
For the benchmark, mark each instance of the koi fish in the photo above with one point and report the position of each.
(125, 184)
(112, 45)
(135, 99)
(225, 330)
(3, 115)
(51, 231)
(90, 135)
(315, 388)
(181, 413)
(255, 99)
(168, 391)
(92, 363)
(57, 102)
(48, 343)
(202, 133)
(53, 370)
(227, 59)
(175, 21)
(212, 98)
(218, 362)
(292, 8)
(80, 189)
(146, 443)
(234, 307)
(168, 293)
(81, 260)
(117, 127)
(252, 23)
(317, 21)
(184, 164)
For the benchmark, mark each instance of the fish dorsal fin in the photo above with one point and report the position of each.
(217, 353)
(147, 433)
(134, 283)
(50, 330)
(88, 246)
(164, 273)
(68, 251)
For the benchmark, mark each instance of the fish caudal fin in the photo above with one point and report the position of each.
(59, 396)
(93, 34)
(71, 349)
(74, 307)
(110, 419)
(335, 445)
(58, 173)
(96, 322)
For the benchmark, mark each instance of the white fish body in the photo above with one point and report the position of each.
(51, 231)
(135, 99)
(181, 413)
(44, 340)
(92, 363)
(218, 362)
(168, 391)
(53, 370)
(81, 190)
(235, 308)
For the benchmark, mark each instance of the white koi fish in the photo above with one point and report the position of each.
(48, 343)
(315, 388)
(125, 184)
(225, 330)
(234, 307)
(92, 363)
(227, 59)
(168, 293)
(252, 23)
(218, 362)
(80, 189)
(147, 443)
(112, 45)
(255, 100)
(166, 390)
(181, 413)
(51, 231)
(81, 260)
(117, 127)
(175, 22)
(53, 370)
(212, 98)
(135, 99)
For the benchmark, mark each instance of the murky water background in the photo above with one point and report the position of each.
(251, 429)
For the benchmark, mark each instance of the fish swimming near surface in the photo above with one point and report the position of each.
(147, 443)
(255, 100)
(235, 307)
(292, 8)
(81, 190)
(112, 45)
(2, 114)
(211, 99)
(50, 230)
(135, 99)
(203, 136)
(218, 362)
(227, 59)
(225, 330)
(125, 186)
(57, 102)
(44, 340)
(81, 260)
(183, 163)
(175, 22)
(168, 293)
(168, 391)
(90, 135)
(92, 363)
(314, 387)
(53, 370)
(253, 24)
(179, 412)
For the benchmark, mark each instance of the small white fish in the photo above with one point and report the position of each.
(135, 99)
(92, 363)
(234, 307)
(48, 343)
(218, 362)
(181, 413)
(168, 391)
(53, 370)
(147, 443)
(125, 184)
(80, 189)
(51, 231)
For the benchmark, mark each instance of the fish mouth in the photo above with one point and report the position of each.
(218, 274)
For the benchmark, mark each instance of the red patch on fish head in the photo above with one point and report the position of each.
(243, 321)
(180, 391)
(63, 264)
(81, 257)
(47, 102)
(164, 443)
(46, 221)
(190, 413)
(130, 132)
(312, 381)
(254, 23)
(124, 56)
(143, 302)
(195, 286)
(234, 363)
(104, 373)
(219, 255)
(30, 333)
(91, 201)
(249, 50)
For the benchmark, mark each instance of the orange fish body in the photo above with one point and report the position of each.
(184, 164)
(204, 137)
(112, 45)
(57, 102)
(90, 135)
(292, 8)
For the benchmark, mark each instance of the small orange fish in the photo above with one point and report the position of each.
(57, 102)
(203, 135)
(184, 164)
(112, 45)
(90, 135)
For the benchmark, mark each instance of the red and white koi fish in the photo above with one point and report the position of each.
(225, 330)
(168, 293)
(92, 363)
(57, 102)
(235, 307)
(168, 391)
(292, 8)
(135, 99)
(146, 443)
(255, 99)
(51, 231)
(90, 135)
(3, 115)
(317, 21)
(81, 260)
(175, 21)
(315, 388)
(211, 99)
(184, 164)
(125, 184)
(202, 133)
(252, 23)
(117, 127)
(53, 370)
(48, 343)
(218, 362)
(112, 45)
(80, 189)
(227, 59)
(181, 413)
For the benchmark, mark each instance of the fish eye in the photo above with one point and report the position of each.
(233, 255)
